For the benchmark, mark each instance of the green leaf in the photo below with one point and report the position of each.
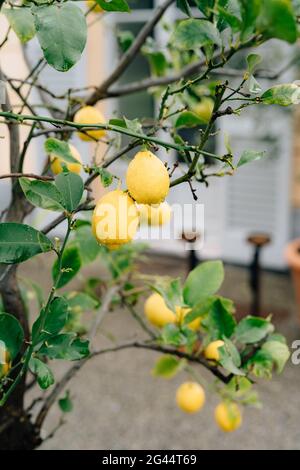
(71, 264)
(11, 334)
(204, 281)
(86, 243)
(171, 291)
(192, 34)
(71, 187)
(167, 366)
(117, 122)
(19, 242)
(65, 404)
(60, 149)
(62, 32)
(249, 13)
(114, 5)
(279, 353)
(66, 346)
(183, 5)
(43, 373)
(134, 125)
(283, 95)
(252, 61)
(219, 322)
(157, 61)
(171, 334)
(250, 156)
(261, 364)
(105, 176)
(277, 20)
(42, 194)
(125, 39)
(188, 119)
(205, 6)
(229, 14)
(21, 21)
(54, 322)
(199, 311)
(252, 329)
(79, 302)
(230, 358)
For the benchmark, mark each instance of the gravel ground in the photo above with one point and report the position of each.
(119, 405)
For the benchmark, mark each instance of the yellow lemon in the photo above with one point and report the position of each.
(228, 416)
(56, 162)
(204, 109)
(190, 397)
(157, 312)
(181, 312)
(115, 219)
(92, 116)
(155, 215)
(147, 178)
(5, 362)
(212, 350)
(97, 8)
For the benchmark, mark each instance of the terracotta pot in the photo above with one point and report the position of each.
(292, 255)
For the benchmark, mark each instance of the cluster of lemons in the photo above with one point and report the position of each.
(190, 396)
(118, 213)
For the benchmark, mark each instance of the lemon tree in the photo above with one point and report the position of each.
(187, 322)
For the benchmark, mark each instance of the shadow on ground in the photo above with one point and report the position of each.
(119, 405)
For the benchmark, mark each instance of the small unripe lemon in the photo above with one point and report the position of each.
(190, 397)
(157, 312)
(115, 219)
(56, 162)
(90, 115)
(181, 312)
(228, 416)
(212, 350)
(97, 9)
(204, 109)
(5, 362)
(155, 215)
(147, 178)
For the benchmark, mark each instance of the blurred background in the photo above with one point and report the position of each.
(249, 220)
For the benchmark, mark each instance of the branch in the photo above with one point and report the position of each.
(50, 400)
(107, 127)
(27, 175)
(127, 58)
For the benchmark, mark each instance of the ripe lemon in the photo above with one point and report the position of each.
(181, 312)
(155, 215)
(115, 219)
(190, 397)
(228, 416)
(157, 312)
(5, 362)
(212, 350)
(204, 109)
(97, 8)
(147, 178)
(56, 162)
(92, 116)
